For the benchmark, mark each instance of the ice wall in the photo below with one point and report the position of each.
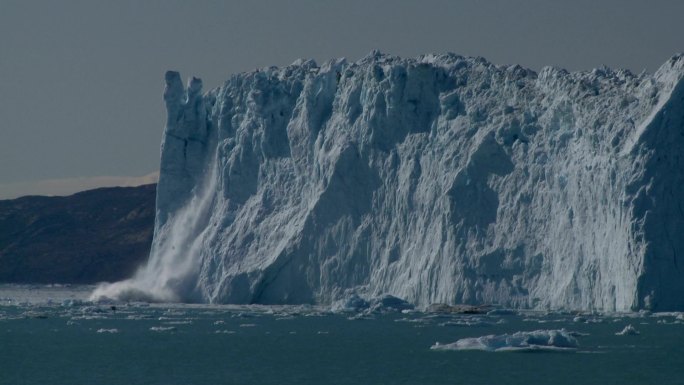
(435, 179)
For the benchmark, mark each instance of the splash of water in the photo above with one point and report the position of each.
(171, 271)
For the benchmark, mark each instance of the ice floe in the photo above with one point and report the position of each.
(538, 340)
(629, 330)
(162, 328)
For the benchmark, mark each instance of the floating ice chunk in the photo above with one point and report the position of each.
(414, 320)
(138, 317)
(578, 334)
(467, 321)
(501, 312)
(187, 322)
(35, 314)
(73, 303)
(666, 314)
(360, 316)
(244, 315)
(94, 309)
(628, 331)
(551, 340)
(162, 328)
(389, 303)
(442, 308)
(353, 303)
(88, 317)
(111, 331)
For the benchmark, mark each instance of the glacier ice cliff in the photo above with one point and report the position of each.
(437, 179)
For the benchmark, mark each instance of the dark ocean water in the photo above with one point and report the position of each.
(68, 342)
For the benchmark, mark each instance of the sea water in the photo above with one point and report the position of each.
(53, 335)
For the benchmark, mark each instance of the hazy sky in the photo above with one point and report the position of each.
(81, 81)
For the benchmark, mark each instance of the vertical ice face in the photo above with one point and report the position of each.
(658, 194)
(435, 179)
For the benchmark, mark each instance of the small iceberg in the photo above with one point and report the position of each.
(162, 328)
(111, 331)
(468, 322)
(495, 312)
(538, 340)
(442, 308)
(35, 314)
(629, 330)
(389, 303)
(72, 303)
(353, 303)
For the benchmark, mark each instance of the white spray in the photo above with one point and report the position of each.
(170, 274)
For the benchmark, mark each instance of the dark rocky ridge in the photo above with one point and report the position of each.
(92, 236)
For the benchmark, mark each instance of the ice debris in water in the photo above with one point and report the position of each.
(495, 312)
(352, 303)
(468, 321)
(382, 304)
(74, 303)
(35, 314)
(629, 330)
(162, 328)
(111, 331)
(551, 340)
(389, 303)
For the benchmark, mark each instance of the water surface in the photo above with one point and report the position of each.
(49, 336)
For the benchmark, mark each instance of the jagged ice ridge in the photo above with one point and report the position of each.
(435, 179)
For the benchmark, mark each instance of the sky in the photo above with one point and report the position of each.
(81, 81)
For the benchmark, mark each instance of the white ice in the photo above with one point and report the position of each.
(629, 330)
(436, 179)
(552, 340)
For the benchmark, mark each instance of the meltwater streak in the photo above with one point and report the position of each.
(171, 271)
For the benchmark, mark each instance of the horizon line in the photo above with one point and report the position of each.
(72, 185)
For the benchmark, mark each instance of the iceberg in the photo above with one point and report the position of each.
(538, 340)
(435, 179)
(629, 330)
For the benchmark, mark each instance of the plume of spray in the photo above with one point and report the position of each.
(170, 274)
